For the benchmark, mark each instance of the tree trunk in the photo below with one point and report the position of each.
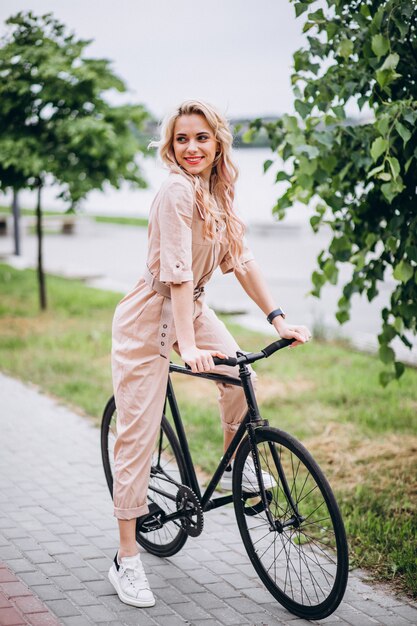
(16, 222)
(41, 275)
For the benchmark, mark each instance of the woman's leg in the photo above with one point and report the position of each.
(212, 334)
(127, 533)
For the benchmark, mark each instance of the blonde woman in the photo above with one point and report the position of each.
(193, 229)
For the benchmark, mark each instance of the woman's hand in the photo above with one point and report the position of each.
(301, 334)
(200, 360)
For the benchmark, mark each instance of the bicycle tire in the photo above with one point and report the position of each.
(303, 561)
(169, 539)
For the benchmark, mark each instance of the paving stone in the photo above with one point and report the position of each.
(68, 583)
(86, 574)
(14, 589)
(244, 605)
(43, 619)
(393, 620)
(203, 576)
(172, 620)
(186, 586)
(10, 617)
(229, 616)
(100, 587)
(77, 620)
(258, 595)
(409, 612)
(62, 608)
(222, 590)
(140, 618)
(29, 604)
(99, 613)
(47, 592)
(53, 569)
(82, 597)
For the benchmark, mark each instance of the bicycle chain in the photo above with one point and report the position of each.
(192, 521)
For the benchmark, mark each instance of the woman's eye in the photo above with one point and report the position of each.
(203, 137)
(180, 139)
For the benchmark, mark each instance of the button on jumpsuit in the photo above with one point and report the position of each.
(143, 334)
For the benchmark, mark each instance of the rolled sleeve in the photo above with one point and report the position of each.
(175, 222)
(226, 264)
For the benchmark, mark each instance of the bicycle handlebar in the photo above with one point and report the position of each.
(251, 357)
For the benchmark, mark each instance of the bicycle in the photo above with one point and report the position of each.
(293, 531)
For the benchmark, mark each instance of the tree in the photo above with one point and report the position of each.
(56, 125)
(360, 177)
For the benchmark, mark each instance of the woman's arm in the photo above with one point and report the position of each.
(182, 309)
(253, 282)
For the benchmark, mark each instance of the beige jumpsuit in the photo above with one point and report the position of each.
(144, 333)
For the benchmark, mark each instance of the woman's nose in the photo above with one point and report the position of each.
(192, 146)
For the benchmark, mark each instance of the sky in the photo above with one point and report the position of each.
(236, 54)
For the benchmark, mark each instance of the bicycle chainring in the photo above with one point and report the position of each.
(192, 519)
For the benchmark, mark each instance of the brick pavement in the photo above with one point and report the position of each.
(58, 536)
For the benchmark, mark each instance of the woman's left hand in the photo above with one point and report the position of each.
(301, 334)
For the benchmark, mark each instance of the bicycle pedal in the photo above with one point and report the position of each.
(154, 520)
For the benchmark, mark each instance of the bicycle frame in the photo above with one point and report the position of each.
(251, 421)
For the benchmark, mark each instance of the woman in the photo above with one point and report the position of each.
(193, 229)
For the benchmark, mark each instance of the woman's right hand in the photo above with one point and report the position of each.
(200, 360)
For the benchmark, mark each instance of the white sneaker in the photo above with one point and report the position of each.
(249, 478)
(129, 579)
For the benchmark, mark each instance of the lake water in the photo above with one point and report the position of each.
(255, 194)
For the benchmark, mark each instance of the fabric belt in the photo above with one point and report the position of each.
(166, 326)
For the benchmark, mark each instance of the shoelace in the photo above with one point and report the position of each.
(138, 585)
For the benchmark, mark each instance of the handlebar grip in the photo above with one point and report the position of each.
(277, 345)
(229, 361)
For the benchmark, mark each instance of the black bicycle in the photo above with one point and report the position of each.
(291, 527)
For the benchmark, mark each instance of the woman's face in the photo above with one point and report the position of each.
(194, 145)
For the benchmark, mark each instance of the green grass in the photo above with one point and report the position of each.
(124, 221)
(326, 394)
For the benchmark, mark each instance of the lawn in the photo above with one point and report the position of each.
(326, 394)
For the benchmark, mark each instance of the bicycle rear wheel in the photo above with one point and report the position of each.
(302, 556)
(167, 472)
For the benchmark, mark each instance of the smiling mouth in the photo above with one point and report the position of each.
(193, 160)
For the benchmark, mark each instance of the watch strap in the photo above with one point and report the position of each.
(274, 314)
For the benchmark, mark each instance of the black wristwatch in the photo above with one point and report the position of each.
(275, 313)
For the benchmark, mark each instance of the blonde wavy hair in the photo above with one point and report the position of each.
(216, 203)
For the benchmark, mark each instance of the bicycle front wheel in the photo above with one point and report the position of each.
(167, 472)
(298, 547)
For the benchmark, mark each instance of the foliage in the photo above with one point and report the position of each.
(55, 118)
(360, 177)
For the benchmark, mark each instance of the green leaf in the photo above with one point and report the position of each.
(379, 145)
(403, 271)
(311, 151)
(399, 324)
(399, 369)
(302, 108)
(380, 45)
(395, 166)
(342, 316)
(411, 252)
(390, 62)
(315, 222)
(403, 131)
(249, 135)
(282, 176)
(331, 272)
(382, 124)
(392, 189)
(386, 354)
(386, 377)
(267, 165)
(300, 8)
(345, 48)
